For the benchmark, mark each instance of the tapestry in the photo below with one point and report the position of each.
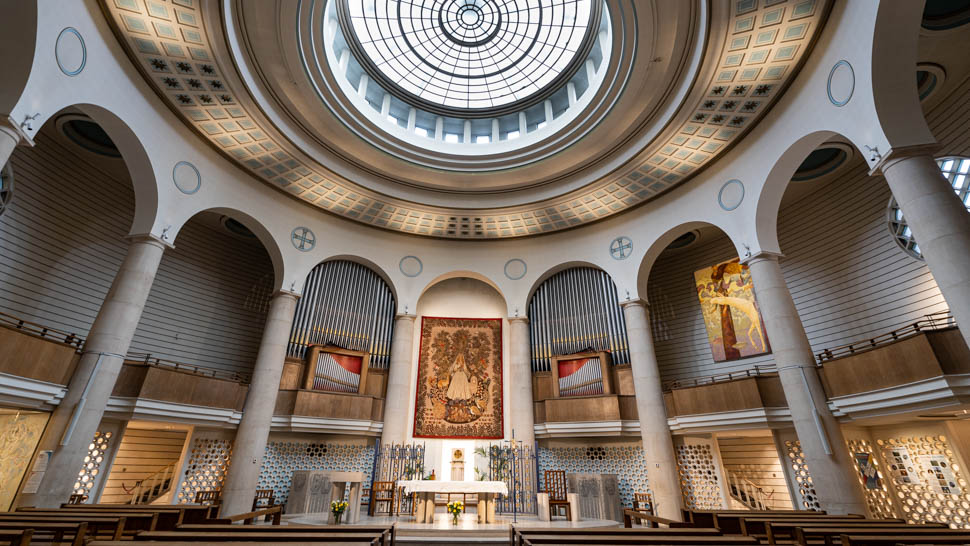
(867, 469)
(459, 393)
(734, 326)
(20, 432)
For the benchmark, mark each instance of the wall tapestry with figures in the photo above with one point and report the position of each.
(459, 392)
(735, 329)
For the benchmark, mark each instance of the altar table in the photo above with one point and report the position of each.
(425, 491)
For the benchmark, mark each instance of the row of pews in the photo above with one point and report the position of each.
(171, 525)
(749, 528)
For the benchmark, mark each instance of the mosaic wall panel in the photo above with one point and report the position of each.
(808, 499)
(282, 458)
(19, 435)
(878, 498)
(929, 483)
(92, 463)
(698, 477)
(206, 468)
(626, 461)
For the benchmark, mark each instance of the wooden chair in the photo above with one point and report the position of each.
(266, 495)
(77, 498)
(382, 494)
(210, 497)
(643, 502)
(555, 486)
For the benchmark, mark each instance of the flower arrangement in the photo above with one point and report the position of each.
(338, 507)
(455, 508)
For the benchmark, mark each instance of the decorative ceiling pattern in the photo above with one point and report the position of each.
(766, 43)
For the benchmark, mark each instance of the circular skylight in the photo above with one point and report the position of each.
(471, 55)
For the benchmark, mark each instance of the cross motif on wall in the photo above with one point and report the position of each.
(303, 239)
(621, 247)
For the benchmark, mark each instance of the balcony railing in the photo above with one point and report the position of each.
(718, 378)
(934, 321)
(196, 369)
(39, 330)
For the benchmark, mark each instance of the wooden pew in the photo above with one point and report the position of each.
(310, 541)
(652, 521)
(705, 518)
(579, 536)
(16, 537)
(388, 533)
(926, 536)
(755, 526)
(804, 534)
(187, 513)
(56, 532)
(518, 534)
(279, 534)
(112, 526)
(134, 521)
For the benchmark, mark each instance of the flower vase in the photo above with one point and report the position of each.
(454, 519)
(336, 517)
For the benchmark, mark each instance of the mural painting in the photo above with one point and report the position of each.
(459, 393)
(735, 329)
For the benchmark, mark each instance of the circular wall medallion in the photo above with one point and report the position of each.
(70, 52)
(410, 266)
(515, 269)
(303, 239)
(731, 194)
(841, 83)
(186, 177)
(621, 247)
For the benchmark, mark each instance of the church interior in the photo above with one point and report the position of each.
(485, 271)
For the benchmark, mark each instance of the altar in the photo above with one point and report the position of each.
(425, 491)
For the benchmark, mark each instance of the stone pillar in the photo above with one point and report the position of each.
(398, 397)
(828, 460)
(253, 431)
(940, 224)
(520, 382)
(658, 449)
(8, 141)
(76, 419)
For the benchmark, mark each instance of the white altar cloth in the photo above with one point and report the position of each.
(425, 490)
(467, 487)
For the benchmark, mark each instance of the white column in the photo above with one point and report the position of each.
(397, 400)
(9, 138)
(940, 224)
(77, 417)
(254, 427)
(520, 384)
(658, 449)
(819, 434)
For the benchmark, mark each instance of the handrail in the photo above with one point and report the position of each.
(40, 330)
(155, 362)
(932, 321)
(747, 492)
(718, 378)
(153, 486)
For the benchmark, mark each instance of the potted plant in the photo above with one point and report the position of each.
(455, 508)
(338, 507)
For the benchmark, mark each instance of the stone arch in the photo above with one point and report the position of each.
(378, 270)
(556, 269)
(459, 273)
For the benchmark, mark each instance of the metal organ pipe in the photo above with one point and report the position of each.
(347, 305)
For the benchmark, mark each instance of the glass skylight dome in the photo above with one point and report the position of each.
(470, 54)
(451, 75)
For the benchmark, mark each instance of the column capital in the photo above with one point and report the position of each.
(286, 293)
(519, 319)
(760, 256)
(635, 303)
(9, 126)
(405, 316)
(150, 239)
(895, 155)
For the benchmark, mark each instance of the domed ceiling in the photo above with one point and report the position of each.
(470, 119)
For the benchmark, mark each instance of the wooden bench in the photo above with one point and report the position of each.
(650, 521)
(161, 519)
(705, 518)
(309, 541)
(52, 532)
(248, 518)
(388, 534)
(15, 537)
(113, 527)
(134, 521)
(517, 534)
(188, 513)
(755, 526)
(929, 536)
(580, 536)
(824, 534)
(280, 534)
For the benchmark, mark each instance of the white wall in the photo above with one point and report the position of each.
(62, 240)
(849, 279)
(457, 298)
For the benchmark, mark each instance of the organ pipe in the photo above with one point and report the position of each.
(575, 310)
(347, 305)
